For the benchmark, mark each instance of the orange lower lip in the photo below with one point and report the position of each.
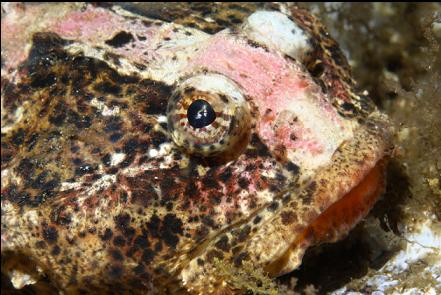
(339, 218)
(342, 215)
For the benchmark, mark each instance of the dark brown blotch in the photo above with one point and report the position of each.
(120, 39)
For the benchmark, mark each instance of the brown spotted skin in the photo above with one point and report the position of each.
(94, 221)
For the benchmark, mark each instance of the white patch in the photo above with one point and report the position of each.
(153, 153)
(243, 202)
(344, 291)
(162, 119)
(18, 116)
(275, 30)
(117, 158)
(326, 134)
(102, 183)
(19, 279)
(105, 110)
(4, 179)
(69, 185)
(163, 150)
(32, 217)
(419, 245)
(382, 282)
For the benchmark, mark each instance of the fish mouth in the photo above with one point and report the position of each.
(336, 221)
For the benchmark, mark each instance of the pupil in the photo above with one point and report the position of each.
(200, 114)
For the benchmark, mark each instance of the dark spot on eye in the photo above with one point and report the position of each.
(200, 114)
(120, 39)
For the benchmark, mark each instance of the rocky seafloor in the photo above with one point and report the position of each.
(394, 50)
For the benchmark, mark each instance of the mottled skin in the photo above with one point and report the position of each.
(98, 195)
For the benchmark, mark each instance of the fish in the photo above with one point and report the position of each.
(147, 146)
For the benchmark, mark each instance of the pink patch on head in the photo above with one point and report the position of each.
(87, 24)
(96, 26)
(270, 80)
(253, 69)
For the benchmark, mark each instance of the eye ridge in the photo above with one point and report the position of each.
(200, 114)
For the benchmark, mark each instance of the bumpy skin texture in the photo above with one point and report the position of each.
(98, 195)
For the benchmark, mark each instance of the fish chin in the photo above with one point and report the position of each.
(335, 222)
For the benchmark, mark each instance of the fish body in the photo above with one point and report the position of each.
(142, 146)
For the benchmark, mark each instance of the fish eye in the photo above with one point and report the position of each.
(208, 116)
(200, 114)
